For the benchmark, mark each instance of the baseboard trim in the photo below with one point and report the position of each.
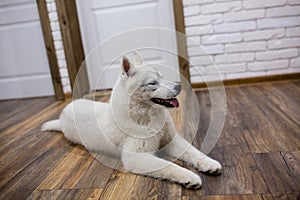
(252, 80)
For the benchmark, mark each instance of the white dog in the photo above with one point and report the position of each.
(135, 127)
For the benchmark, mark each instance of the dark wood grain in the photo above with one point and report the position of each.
(279, 177)
(30, 176)
(258, 148)
(131, 186)
(50, 49)
(231, 197)
(92, 178)
(91, 194)
(184, 67)
(73, 48)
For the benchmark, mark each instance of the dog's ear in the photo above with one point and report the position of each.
(127, 66)
(137, 59)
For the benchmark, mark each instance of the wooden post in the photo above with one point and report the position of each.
(184, 67)
(50, 49)
(71, 37)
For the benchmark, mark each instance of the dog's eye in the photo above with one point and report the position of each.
(153, 83)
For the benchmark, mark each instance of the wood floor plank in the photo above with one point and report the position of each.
(131, 186)
(12, 133)
(27, 180)
(292, 160)
(258, 148)
(240, 175)
(90, 194)
(263, 131)
(284, 97)
(20, 111)
(231, 197)
(279, 177)
(96, 176)
(67, 174)
(11, 166)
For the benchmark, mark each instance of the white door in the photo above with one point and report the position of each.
(102, 19)
(24, 70)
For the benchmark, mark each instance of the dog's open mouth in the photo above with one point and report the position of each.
(170, 103)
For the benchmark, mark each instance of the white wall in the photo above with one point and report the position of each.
(245, 38)
(51, 6)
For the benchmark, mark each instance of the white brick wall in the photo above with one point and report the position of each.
(244, 38)
(51, 7)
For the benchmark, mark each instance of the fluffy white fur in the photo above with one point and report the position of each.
(133, 128)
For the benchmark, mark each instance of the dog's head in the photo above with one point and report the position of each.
(146, 84)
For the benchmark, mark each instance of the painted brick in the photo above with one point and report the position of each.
(283, 11)
(278, 22)
(229, 76)
(221, 7)
(56, 35)
(233, 58)
(272, 55)
(284, 43)
(63, 72)
(250, 4)
(268, 65)
(54, 26)
(292, 32)
(53, 16)
(235, 27)
(62, 63)
(204, 50)
(60, 54)
(283, 71)
(51, 7)
(294, 2)
(244, 15)
(203, 19)
(193, 2)
(246, 46)
(191, 10)
(65, 81)
(222, 38)
(58, 45)
(207, 78)
(264, 34)
(193, 41)
(201, 60)
(199, 30)
(197, 71)
(225, 68)
(295, 62)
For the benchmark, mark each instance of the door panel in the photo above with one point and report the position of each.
(100, 20)
(24, 70)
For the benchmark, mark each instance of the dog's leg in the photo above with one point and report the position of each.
(181, 149)
(149, 165)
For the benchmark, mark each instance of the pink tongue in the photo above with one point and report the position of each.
(174, 102)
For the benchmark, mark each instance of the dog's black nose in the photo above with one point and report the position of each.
(177, 88)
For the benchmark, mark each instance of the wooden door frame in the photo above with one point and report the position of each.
(50, 49)
(73, 47)
(184, 65)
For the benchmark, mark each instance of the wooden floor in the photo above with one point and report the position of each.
(259, 149)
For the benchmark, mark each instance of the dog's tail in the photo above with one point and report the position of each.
(53, 125)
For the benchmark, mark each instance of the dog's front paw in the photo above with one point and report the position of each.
(210, 166)
(192, 181)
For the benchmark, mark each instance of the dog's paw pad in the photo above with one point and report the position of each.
(211, 167)
(192, 182)
(190, 185)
